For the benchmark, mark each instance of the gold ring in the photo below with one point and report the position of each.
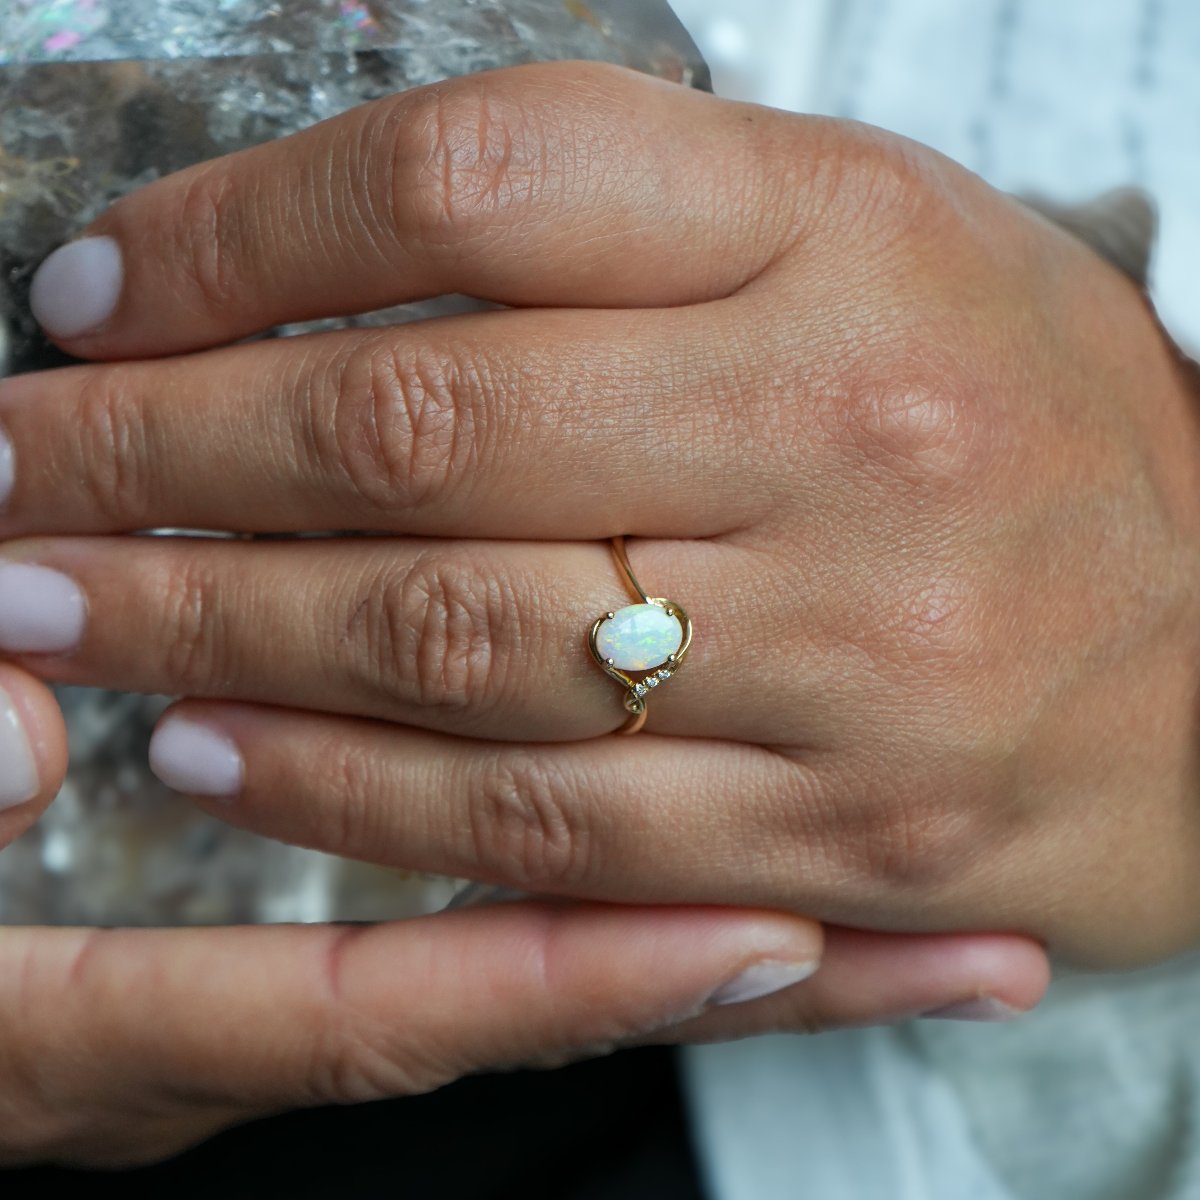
(649, 638)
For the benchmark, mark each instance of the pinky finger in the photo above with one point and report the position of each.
(33, 751)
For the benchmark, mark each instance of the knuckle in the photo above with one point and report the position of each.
(191, 647)
(466, 154)
(936, 632)
(38, 1107)
(888, 187)
(922, 427)
(910, 846)
(112, 445)
(349, 1068)
(527, 824)
(922, 842)
(354, 1057)
(430, 635)
(357, 823)
(403, 431)
(207, 238)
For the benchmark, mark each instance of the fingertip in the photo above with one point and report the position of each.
(33, 750)
(192, 756)
(1012, 969)
(76, 290)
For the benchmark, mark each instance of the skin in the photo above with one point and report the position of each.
(921, 468)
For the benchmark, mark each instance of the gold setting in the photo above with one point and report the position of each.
(638, 687)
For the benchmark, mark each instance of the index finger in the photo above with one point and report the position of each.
(575, 184)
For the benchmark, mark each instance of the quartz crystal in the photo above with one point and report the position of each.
(98, 97)
(639, 637)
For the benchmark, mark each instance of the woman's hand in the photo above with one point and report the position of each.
(921, 468)
(687, 423)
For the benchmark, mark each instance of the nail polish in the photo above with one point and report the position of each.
(762, 979)
(983, 1008)
(195, 759)
(77, 288)
(42, 611)
(7, 472)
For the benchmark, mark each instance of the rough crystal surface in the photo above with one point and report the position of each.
(98, 97)
(639, 637)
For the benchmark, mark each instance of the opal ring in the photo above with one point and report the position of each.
(649, 639)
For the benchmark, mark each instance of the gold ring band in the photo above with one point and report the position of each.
(640, 646)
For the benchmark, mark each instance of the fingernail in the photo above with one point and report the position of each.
(18, 766)
(195, 759)
(761, 979)
(7, 472)
(76, 289)
(985, 1008)
(41, 611)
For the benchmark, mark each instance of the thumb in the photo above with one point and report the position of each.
(127, 1045)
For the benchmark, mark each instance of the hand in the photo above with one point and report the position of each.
(124, 1046)
(921, 467)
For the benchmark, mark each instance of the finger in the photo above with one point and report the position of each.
(481, 638)
(646, 819)
(33, 751)
(509, 424)
(160, 1025)
(871, 978)
(548, 184)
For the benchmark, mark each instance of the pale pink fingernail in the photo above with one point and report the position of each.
(761, 979)
(984, 1008)
(7, 469)
(195, 759)
(18, 766)
(41, 611)
(77, 288)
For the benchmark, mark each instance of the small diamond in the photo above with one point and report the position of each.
(651, 681)
(664, 674)
(640, 689)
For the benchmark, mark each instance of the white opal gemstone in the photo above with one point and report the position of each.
(639, 637)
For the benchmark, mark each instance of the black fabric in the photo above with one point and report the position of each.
(613, 1129)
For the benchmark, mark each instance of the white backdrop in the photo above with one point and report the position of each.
(1065, 98)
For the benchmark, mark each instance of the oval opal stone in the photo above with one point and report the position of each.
(639, 637)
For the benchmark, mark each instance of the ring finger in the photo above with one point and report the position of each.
(479, 638)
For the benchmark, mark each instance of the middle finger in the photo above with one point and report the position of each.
(545, 424)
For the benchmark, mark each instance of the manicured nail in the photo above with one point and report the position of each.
(7, 471)
(76, 289)
(761, 979)
(985, 1008)
(41, 611)
(18, 767)
(195, 759)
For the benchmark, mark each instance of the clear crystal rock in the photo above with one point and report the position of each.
(98, 97)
